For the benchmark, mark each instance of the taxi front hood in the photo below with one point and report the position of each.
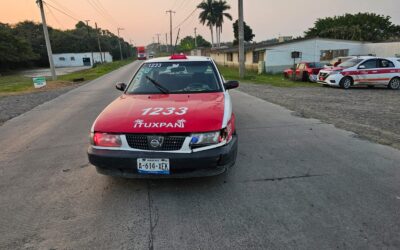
(327, 70)
(173, 113)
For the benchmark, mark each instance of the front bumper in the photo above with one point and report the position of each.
(182, 165)
(332, 80)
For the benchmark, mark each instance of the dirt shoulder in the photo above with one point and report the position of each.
(373, 114)
(14, 105)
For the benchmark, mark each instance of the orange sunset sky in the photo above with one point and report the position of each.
(141, 20)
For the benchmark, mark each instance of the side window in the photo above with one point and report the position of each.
(370, 64)
(383, 63)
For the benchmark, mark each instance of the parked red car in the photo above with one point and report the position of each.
(305, 71)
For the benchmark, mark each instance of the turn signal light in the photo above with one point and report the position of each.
(106, 140)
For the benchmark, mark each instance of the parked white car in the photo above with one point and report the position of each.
(364, 70)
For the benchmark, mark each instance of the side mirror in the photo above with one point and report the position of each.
(231, 85)
(361, 67)
(120, 86)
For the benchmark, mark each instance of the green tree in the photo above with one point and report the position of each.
(207, 16)
(188, 44)
(219, 9)
(13, 49)
(248, 32)
(359, 27)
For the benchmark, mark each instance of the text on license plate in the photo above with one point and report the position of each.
(153, 166)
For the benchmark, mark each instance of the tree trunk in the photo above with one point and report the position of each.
(218, 36)
(212, 37)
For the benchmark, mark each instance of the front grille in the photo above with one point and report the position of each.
(170, 143)
(323, 75)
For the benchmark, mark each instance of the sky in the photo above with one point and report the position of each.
(142, 20)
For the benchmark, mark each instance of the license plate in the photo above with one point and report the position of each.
(153, 166)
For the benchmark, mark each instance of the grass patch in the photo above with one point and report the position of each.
(276, 80)
(16, 84)
(93, 73)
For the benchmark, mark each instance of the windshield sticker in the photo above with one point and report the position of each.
(154, 65)
(165, 111)
(142, 124)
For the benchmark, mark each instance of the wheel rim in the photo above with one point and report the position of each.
(395, 83)
(347, 83)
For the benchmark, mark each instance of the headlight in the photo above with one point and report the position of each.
(106, 140)
(205, 138)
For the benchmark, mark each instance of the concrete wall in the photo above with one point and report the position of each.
(278, 57)
(221, 58)
(76, 59)
(383, 49)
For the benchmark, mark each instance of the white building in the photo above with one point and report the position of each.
(80, 59)
(276, 57)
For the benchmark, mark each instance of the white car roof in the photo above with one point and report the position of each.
(189, 59)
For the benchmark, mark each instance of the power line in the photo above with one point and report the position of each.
(101, 6)
(61, 11)
(184, 20)
(100, 12)
(59, 5)
(54, 17)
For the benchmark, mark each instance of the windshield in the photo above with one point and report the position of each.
(350, 63)
(175, 77)
(315, 65)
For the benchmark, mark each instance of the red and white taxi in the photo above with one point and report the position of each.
(174, 119)
(365, 70)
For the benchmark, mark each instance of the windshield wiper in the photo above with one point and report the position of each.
(159, 86)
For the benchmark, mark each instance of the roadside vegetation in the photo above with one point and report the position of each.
(276, 80)
(17, 84)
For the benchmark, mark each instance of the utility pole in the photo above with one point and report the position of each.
(176, 42)
(119, 42)
(87, 27)
(47, 39)
(241, 41)
(195, 38)
(170, 24)
(98, 41)
(158, 41)
(166, 41)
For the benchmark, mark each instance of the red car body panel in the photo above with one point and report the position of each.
(173, 113)
(299, 73)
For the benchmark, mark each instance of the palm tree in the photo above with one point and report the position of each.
(219, 8)
(207, 16)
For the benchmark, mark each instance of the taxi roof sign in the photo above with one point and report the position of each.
(178, 57)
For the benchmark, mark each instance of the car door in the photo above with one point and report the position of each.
(387, 71)
(368, 72)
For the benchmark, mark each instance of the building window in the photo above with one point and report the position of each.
(72, 58)
(229, 57)
(258, 56)
(327, 55)
(62, 58)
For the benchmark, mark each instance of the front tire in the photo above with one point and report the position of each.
(394, 83)
(305, 78)
(346, 82)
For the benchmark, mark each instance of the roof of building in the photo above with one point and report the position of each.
(266, 45)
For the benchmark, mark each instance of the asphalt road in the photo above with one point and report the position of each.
(298, 183)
